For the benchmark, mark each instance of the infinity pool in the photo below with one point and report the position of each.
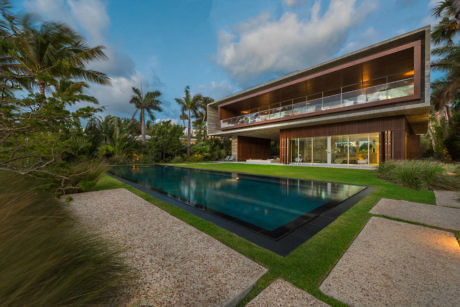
(271, 205)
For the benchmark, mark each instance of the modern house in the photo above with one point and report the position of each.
(362, 108)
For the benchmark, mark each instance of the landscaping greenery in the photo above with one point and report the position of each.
(46, 259)
(419, 174)
(309, 264)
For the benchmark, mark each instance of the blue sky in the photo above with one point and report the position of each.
(219, 47)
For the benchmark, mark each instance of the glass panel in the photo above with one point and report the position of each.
(374, 147)
(305, 150)
(358, 146)
(320, 149)
(339, 149)
(294, 150)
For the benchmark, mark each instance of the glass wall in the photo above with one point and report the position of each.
(320, 149)
(339, 149)
(360, 149)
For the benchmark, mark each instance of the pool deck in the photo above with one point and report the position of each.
(283, 293)
(394, 263)
(177, 264)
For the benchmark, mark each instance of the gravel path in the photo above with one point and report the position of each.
(177, 264)
(443, 217)
(397, 264)
(283, 294)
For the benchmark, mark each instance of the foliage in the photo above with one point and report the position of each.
(44, 259)
(419, 174)
(452, 141)
(165, 143)
(39, 136)
(445, 97)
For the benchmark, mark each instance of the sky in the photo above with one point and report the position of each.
(220, 47)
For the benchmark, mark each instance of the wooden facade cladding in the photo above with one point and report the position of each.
(253, 148)
(395, 128)
(224, 113)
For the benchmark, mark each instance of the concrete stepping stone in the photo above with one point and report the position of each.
(443, 217)
(447, 198)
(178, 265)
(397, 264)
(282, 293)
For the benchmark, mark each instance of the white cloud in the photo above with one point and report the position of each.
(172, 120)
(90, 18)
(292, 3)
(217, 90)
(276, 46)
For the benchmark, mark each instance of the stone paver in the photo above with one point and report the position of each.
(397, 264)
(443, 217)
(177, 264)
(447, 198)
(282, 293)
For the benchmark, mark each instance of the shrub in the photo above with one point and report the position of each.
(45, 260)
(420, 174)
(177, 159)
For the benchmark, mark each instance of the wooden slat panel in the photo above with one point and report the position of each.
(253, 148)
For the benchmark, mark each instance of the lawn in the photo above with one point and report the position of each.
(310, 263)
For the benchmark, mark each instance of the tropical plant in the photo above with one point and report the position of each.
(448, 26)
(445, 91)
(145, 103)
(201, 116)
(70, 92)
(165, 143)
(189, 105)
(38, 54)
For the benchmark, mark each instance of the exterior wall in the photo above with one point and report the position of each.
(397, 125)
(253, 148)
(413, 146)
(212, 120)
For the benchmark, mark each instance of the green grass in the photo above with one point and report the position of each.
(310, 263)
(45, 259)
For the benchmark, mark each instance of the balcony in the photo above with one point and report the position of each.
(282, 110)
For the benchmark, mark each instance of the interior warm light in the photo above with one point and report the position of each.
(409, 73)
(244, 112)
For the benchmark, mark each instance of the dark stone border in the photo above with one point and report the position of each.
(300, 231)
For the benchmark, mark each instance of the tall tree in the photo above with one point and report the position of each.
(145, 103)
(447, 54)
(40, 53)
(201, 116)
(189, 105)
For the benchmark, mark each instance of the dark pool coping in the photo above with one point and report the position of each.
(281, 246)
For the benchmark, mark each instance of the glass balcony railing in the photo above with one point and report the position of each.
(390, 90)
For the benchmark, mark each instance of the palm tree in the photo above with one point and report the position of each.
(37, 55)
(446, 29)
(189, 104)
(145, 103)
(67, 91)
(201, 115)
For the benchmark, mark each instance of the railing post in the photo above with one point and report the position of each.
(322, 100)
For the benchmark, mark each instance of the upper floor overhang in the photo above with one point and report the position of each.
(386, 77)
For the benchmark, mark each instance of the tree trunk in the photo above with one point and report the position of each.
(142, 126)
(188, 134)
(41, 87)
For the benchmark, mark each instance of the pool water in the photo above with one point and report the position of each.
(267, 203)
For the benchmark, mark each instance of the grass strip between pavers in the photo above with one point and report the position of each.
(308, 265)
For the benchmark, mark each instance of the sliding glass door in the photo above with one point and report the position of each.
(360, 149)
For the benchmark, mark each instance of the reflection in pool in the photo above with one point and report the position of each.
(270, 204)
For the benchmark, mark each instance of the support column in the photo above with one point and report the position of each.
(235, 147)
